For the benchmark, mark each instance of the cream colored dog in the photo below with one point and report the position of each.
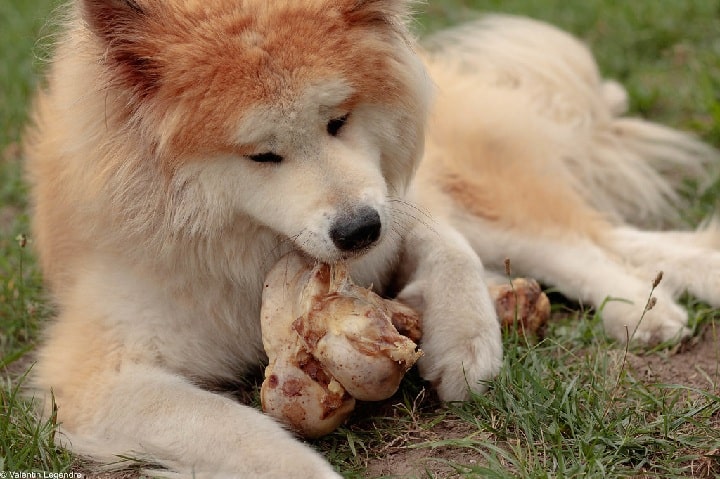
(181, 147)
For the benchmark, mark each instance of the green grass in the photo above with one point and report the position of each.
(565, 407)
(25, 442)
(20, 305)
(23, 24)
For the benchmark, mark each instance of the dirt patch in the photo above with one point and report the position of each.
(695, 364)
(408, 457)
(12, 152)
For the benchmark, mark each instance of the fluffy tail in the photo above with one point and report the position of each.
(635, 169)
(631, 169)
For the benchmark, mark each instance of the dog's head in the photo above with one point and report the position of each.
(303, 116)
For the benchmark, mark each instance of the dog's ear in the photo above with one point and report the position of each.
(109, 19)
(123, 26)
(394, 13)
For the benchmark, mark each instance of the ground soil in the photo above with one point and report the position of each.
(694, 364)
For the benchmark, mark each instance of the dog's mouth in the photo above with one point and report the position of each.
(336, 255)
(344, 256)
(350, 235)
(328, 251)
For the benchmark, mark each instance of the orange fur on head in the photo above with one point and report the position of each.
(189, 71)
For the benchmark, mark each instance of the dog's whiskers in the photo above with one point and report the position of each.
(411, 218)
(412, 206)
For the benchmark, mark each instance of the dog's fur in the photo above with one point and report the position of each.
(155, 226)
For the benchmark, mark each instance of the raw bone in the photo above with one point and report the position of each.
(329, 341)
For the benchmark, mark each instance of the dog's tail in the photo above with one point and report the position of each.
(631, 169)
(636, 170)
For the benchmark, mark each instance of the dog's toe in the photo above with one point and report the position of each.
(664, 322)
(466, 367)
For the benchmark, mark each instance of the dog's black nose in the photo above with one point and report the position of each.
(357, 230)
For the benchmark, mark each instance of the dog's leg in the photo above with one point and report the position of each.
(443, 280)
(580, 268)
(687, 259)
(115, 361)
(148, 414)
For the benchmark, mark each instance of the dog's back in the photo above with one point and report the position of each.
(531, 152)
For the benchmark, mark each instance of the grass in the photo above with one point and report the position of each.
(567, 406)
(19, 291)
(26, 444)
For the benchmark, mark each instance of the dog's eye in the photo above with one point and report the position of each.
(268, 157)
(335, 125)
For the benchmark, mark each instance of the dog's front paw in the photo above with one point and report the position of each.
(456, 363)
(645, 325)
(461, 339)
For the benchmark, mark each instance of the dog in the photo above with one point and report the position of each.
(179, 148)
